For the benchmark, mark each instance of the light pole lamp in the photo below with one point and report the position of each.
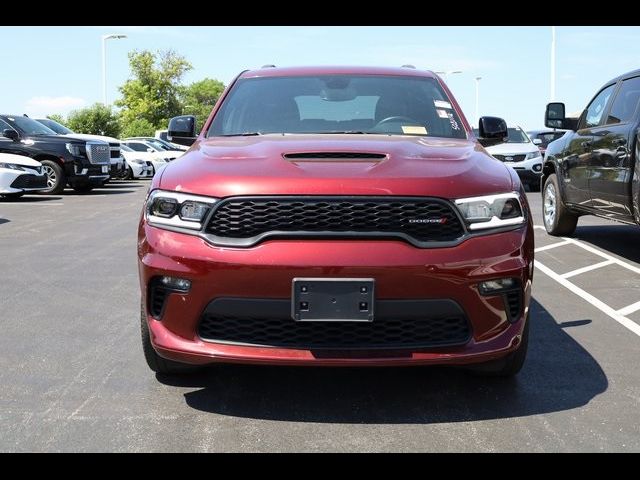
(478, 98)
(447, 73)
(104, 62)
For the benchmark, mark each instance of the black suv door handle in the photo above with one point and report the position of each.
(619, 141)
(586, 144)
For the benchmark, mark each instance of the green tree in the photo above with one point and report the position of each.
(199, 98)
(152, 94)
(96, 119)
(56, 117)
(139, 127)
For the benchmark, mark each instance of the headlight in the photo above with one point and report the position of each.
(11, 166)
(531, 155)
(76, 149)
(492, 211)
(173, 209)
(137, 161)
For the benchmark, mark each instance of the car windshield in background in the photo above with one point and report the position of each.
(55, 126)
(28, 126)
(360, 104)
(517, 136)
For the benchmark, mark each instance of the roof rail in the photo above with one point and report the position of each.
(268, 65)
(408, 65)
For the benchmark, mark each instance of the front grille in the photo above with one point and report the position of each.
(421, 221)
(98, 152)
(385, 333)
(512, 158)
(513, 304)
(337, 155)
(30, 181)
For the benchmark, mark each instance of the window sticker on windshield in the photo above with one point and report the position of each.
(453, 122)
(442, 104)
(442, 113)
(414, 130)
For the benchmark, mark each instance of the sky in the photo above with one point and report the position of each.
(58, 69)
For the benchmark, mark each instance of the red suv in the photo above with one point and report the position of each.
(336, 216)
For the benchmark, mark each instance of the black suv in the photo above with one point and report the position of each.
(81, 164)
(594, 168)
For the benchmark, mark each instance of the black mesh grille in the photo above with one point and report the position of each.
(512, 158)
(424, 219)
(513, 304)
(346, 155)
(388, 334)
(30, 181)
(157, 298)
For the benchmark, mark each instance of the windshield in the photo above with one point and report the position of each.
(55, 126)
(28, 126)
(391, 105)
(516, 135)
(158, 144)
(124, 148)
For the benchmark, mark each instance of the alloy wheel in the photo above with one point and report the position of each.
(550, 205)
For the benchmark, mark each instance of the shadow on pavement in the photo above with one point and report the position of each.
(621, 240)
(558, 375)
(4, 220)
(98, 191)
(30, 199)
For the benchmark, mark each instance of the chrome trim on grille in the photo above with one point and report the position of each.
(98, 152)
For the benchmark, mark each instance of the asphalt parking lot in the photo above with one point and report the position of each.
(74, 379)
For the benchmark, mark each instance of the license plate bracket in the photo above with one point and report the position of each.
(105, 169)
(333, 299)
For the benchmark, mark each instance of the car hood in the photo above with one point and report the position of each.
(419, 166)
(515, 148)
(86, 136)
(18, 160)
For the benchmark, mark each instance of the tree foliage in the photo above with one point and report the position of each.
(56, 117)
(96, 119)
(152, 93)
(199, 98)
(139, 127)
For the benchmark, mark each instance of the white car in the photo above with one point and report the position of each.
(163, 135)
(145, 146)
(139, 165)
(118, 164)
(19, 175)
(521, 154)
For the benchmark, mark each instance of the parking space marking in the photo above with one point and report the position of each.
(553, 245)
(600, 305)
(634, 307)
(617, 315)
(33, 203)
(588, 268)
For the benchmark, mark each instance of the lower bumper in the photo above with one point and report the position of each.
(16, 182)
(528, 176)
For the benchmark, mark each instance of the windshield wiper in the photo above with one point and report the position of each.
(338, 132)
(243, 134)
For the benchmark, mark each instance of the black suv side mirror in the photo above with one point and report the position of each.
(182, 130)
(11, 133)
(491, 131)
(555, 117)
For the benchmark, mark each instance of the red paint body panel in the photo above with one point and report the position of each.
(412, 166)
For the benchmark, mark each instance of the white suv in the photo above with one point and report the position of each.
(521, 154)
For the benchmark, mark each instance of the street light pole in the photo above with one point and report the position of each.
(478, 98)
(447, 73)
(104, 62)
(553, 64)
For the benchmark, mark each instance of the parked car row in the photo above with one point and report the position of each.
(66, 158)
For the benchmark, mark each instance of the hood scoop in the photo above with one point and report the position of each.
(335, 156)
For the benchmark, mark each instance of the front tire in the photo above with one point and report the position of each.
(129, 174)
(155, 361)
(510, 365)
(56, 178)
(558, 219)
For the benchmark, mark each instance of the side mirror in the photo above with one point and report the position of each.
(150, 150)
(537, 141)
(11, 133)
(554, 115)
(491, 131)
(182, 130)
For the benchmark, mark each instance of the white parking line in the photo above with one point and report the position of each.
(617, 315)
(600, 305)
(588, 268)
(553, 245)
(32, 203)
(634, 307)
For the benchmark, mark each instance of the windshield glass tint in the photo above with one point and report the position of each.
(338, 104)
(55, 126)
(29, 126)
(517, 136)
